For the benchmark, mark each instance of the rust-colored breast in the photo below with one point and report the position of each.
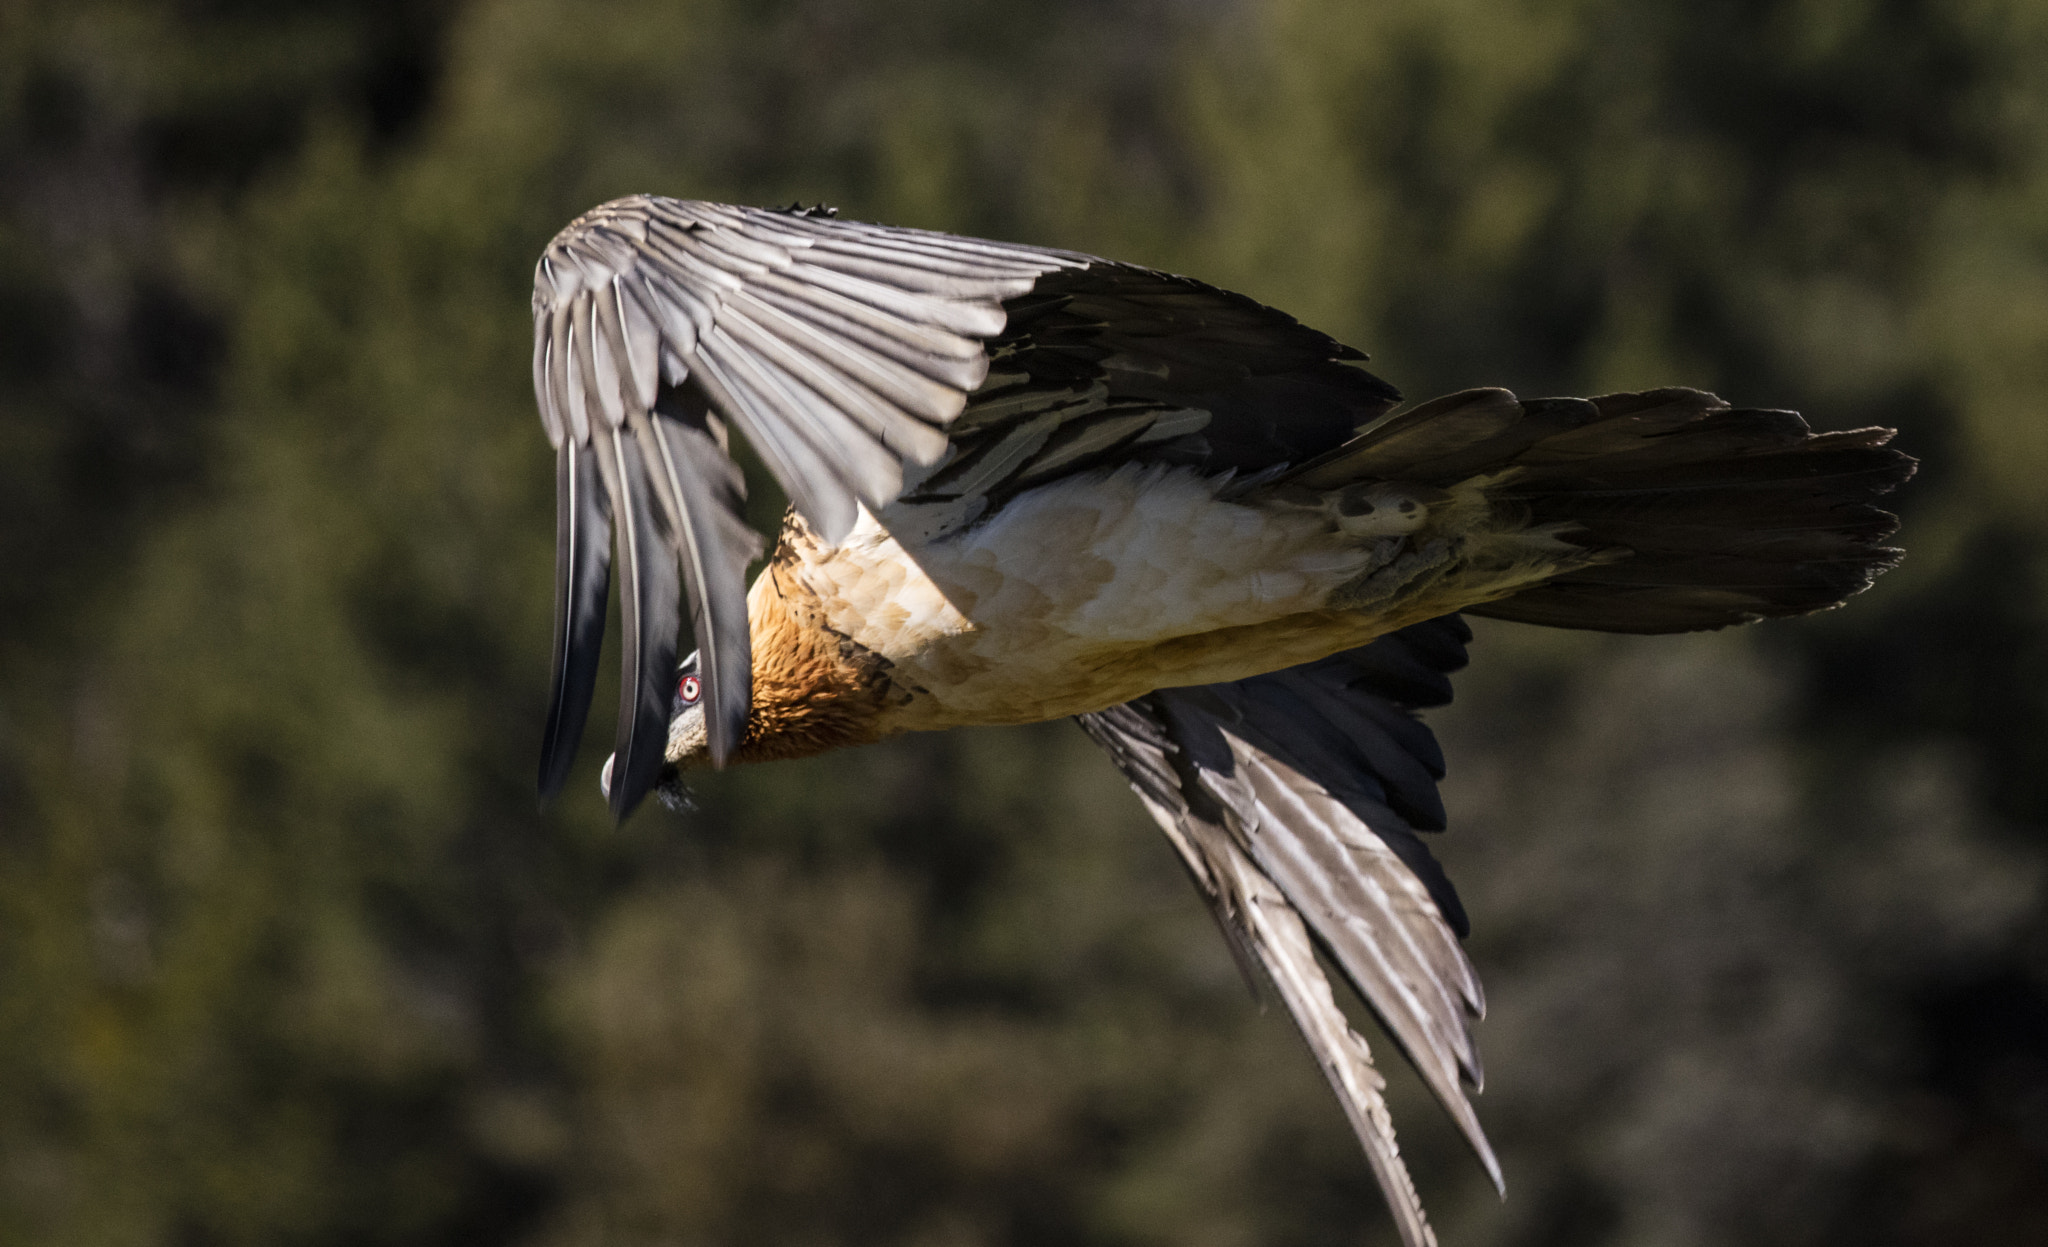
(814, 689)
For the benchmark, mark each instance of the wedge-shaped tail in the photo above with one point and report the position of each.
(1690, 514)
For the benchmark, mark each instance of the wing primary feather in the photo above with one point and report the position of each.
(918, 395)
(814, 231)
(867, 464)
(828, 393)
(734, 251)
(561, 367)
(648, 610)
(901, 366)
(1357, 914)
(637, 340)
(586, 414)
(602, 361)
(706, 491)
(976, 318)
(1283, 943)
(836, 372)
(844, 317)
(736, 383)
(682, 316)
(912, 251)
(1283, 794)
(681, 260)
(543, 390)
(1137, 743)
(583, 567)
(926, 276)
(1149, 743)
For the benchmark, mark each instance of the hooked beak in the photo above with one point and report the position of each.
(670, 791)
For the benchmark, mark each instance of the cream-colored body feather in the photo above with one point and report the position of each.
(1102, 586)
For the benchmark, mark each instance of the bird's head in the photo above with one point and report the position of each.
(689, 740)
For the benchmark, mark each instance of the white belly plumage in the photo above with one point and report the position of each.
(1088, 591)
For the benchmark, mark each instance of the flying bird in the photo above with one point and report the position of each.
(1028, 484)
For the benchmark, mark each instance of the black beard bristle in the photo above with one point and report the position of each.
(674, 795)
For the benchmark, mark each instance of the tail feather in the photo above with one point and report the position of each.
(1796, 539)
(1606, 608)
(1697, 515)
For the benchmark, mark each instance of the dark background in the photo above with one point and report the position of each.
(287, 955)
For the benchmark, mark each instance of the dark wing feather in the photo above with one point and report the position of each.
(1117, 364)
(648, 605)
(1293, 799)
(1260, 920)
(583, 579)
(716, 546)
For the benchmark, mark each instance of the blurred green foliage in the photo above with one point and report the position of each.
(287, 956)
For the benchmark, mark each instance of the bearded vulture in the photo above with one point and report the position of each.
(1029, 483)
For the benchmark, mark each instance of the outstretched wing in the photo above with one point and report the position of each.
(857, 359)
(1294, 799)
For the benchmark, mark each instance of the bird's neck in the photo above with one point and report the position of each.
(814, 689)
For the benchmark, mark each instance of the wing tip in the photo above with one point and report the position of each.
(582, 592)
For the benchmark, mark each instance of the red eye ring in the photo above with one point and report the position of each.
(690, 689)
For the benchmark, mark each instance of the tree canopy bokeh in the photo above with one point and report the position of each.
(288, 956)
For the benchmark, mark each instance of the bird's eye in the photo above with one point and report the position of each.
(689, 690)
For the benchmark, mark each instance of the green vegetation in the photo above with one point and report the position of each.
(287, 956)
